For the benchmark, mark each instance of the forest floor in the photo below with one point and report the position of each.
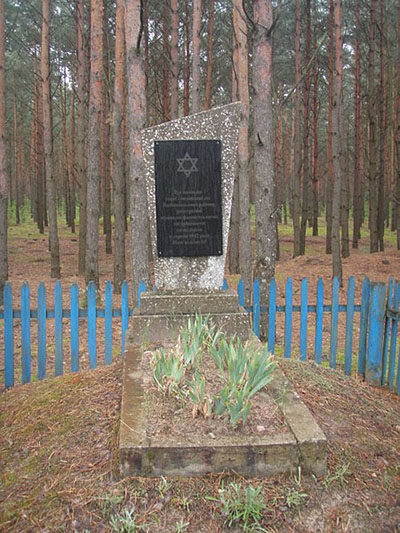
(58, 438)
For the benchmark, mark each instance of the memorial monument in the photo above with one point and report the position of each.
(190, 171)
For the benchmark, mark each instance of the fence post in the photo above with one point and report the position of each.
(41, 331)
(376, 321)
(91, 300)
(272, 316)
(256, 308)
(362, 344)
(8, 337)
(58, 326)
(25, 333)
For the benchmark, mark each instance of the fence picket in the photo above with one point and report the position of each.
(348, 349)
(91, 299)
(124, 311)
(225, 285)
(240, 292)
(319, 320)
(25, 333)
(256, 308)
(393, 335)
(272, 316)
(303, 320)
(373, 371)
(108, 323)
(362, 346)
(387, 332)
(58, 363)
(8, 336)
(288, 317)
(334, 322)
(74, 305)
(41, 332)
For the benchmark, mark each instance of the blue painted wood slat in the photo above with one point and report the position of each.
(319, 319)
(141, 288)
(334, 323)
(124, 311)
(91, 299)
(288, 318)
(58, 327)
(225, 285)
(387, 332)
(25, 333)
(8, 336)
(393, 335)
(362, 345)
(240, 292)
(41, 332)
(376, 318)
(74, 302)
(108, 323)
(272, 316)
(303, 320)
(348, 348)
(256, 307)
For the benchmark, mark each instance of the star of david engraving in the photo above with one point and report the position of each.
(187, 165)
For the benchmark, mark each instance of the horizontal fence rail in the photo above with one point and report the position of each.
(377, 358)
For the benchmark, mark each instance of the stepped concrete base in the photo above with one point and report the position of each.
(161, 315)
(303, 444)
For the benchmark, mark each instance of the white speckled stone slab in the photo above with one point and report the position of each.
(220, 123)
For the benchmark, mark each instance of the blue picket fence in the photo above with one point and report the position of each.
(377, 342)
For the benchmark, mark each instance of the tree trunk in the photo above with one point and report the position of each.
(306, 133)
(166, 105)
(105, 139)
(81, 137)
(382, 135)
(48, 142)
(136, 121)
(234, 238)
(244, 153)
(297, 138)
(315, 170)
(372, 140)
(196, 56)
(94, 148)
(357, 198)
(16, 159)
(337, 139)
(71, 161)
(118, 151)
(186, 89)
(329, 156)
(207, 98)
(174, 59)
(345, 201)
(266, 237)
(3, 161)
(398, 137)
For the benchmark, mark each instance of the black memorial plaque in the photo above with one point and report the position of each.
(188, 198)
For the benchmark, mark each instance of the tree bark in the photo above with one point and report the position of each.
(357, 198)
(315, 170)
(118, 150)
(244, 153)
(3, 161)
(186, 90)
(196, 56)
(207, 98)
(398, 137)
(81, 138)
(48, 142)
(329, 156)
(174, 59)
(337, 137)
(94, 148)
(372, 140)
(297, 138)
(136, 122)
(166, 104)
(266, 236)
(105, 138)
